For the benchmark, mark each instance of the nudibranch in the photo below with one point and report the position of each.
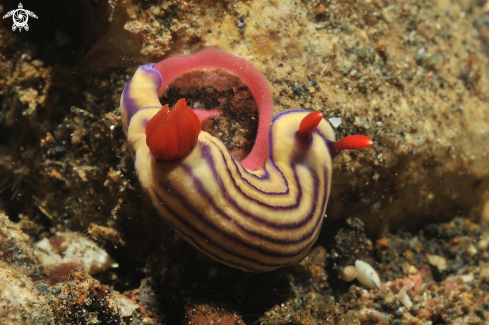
(258, 214)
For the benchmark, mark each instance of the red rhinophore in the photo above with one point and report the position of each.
(173, 67)
(309, 123)
(353, 142)
(171, 135)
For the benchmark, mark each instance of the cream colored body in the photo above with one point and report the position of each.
(229, 212)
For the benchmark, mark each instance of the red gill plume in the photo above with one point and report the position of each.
(171, 135)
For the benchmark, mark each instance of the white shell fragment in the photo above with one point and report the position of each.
(335, 121)
(366, 274)
(437, 261)
(126, 306)
(374, 315)
(72, 247)
(404, 299)
(20, 301)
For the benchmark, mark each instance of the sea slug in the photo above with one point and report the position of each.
(258, 214)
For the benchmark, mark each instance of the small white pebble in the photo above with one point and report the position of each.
(437, 261)
(412, 269)
(471, 250)
(483, 244)
(335, 121)
(366, 274)
(155, 10)
(348, 273)
(467, 278)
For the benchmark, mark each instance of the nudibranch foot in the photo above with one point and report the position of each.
(258, 214)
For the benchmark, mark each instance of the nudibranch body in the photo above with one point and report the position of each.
(257, 215)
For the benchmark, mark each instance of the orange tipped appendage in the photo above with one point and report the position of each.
(309, 123)
(353, 142)
(171, 135)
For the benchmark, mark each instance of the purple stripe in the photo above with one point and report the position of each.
(210, 224)
(188, 238)
(330, 144)
(210, 161)
(128, 101)
(207, 154)
(265, 176)
(215, 257)
(248, 173)
(332, 149)
(263, 250)
(145, 122)
(212, 242)
(270, 146)
(149, 68)
(305, 236)
(199, 186)
(213, 226)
